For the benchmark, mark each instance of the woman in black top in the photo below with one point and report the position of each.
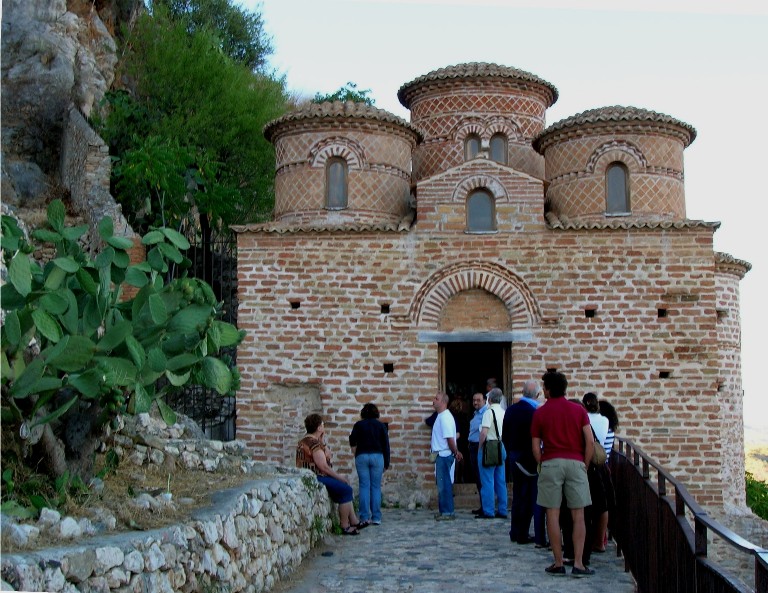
(370, 444)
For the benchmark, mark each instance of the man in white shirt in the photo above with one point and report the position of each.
(444, 445)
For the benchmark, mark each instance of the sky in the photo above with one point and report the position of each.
(700, 61)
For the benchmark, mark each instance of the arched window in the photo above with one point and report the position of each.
(480, 213)
(499, 148)
(336, 184)
(471, 146)
(617, 189)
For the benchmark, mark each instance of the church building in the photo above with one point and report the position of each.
(474, 242)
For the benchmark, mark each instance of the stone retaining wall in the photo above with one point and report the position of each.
(248, 540)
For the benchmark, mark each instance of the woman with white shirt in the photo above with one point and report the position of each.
(600, 512)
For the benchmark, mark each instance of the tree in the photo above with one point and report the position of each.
(76, 355)
(187, 138)
(240, 33)
(348, 92)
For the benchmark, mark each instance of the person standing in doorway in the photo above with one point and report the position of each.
(563, 444)
(447, 453)
(490, 384)
(478, 403)
(492, 479)
(370, 445)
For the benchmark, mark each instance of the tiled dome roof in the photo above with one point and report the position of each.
(473, 70)
(616, 114)
(335, 110)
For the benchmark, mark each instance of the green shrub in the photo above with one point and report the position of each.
(757, 496)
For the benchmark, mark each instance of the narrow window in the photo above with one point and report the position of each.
(499, 148)
(480, 215)
(617, 189)
(471, 146)
(336, 184)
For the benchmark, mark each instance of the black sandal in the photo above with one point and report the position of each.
(349, 530)
(361, 525)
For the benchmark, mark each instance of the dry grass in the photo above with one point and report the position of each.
(190, 489)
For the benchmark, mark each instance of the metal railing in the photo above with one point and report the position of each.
(666, 537)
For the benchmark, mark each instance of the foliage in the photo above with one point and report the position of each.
(187, 138)
(240, 34)
(757, 496)
(349, 92)
(76, 354)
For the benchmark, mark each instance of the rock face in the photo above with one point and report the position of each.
(55, 53)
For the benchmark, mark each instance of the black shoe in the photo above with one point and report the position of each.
(484, 516)
(524, 541)
(477, 511)
(582, 572)
(500, 516)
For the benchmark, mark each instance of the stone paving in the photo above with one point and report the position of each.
(411, 552)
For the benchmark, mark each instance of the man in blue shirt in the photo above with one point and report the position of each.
(478, 402)
(516, 436)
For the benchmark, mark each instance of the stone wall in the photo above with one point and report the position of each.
(85, 171)
(250, 537)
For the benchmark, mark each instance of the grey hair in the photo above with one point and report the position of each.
(495, 395)
(531, 388)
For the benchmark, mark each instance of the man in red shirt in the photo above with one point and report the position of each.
(563, 445)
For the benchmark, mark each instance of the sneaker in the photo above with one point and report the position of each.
(558, 571)
(445, 517)
(581, 572)
(375, 522)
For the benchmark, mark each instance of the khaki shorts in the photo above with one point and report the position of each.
(560, 476)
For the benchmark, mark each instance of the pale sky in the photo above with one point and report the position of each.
(700, 61)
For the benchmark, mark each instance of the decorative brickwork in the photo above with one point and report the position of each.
(346, 309)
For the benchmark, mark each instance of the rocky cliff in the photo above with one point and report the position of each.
(56, 54)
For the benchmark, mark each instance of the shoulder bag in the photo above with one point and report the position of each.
(492, 449)
(598, 456)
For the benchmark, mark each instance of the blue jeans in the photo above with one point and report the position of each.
(444, 484)
(494, 483)
(370, 469)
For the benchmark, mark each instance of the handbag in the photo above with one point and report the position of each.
(492, 449)
(598, 456)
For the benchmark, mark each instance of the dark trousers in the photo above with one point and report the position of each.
(473, 449)
(524, 508)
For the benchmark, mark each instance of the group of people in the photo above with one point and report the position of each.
(548, 452)
(546, 447)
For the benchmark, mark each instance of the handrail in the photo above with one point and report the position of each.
(653, 532)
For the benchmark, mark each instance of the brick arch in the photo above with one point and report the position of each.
(504, 125)
(617, 150)
(469, 184)
(433, 295)
(349, 150)
(470, 125)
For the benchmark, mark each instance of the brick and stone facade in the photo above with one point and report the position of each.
(400, 293)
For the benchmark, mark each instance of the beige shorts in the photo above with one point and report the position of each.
(563, 476)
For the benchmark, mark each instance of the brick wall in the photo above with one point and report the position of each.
(576, 171)
(336, 342)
